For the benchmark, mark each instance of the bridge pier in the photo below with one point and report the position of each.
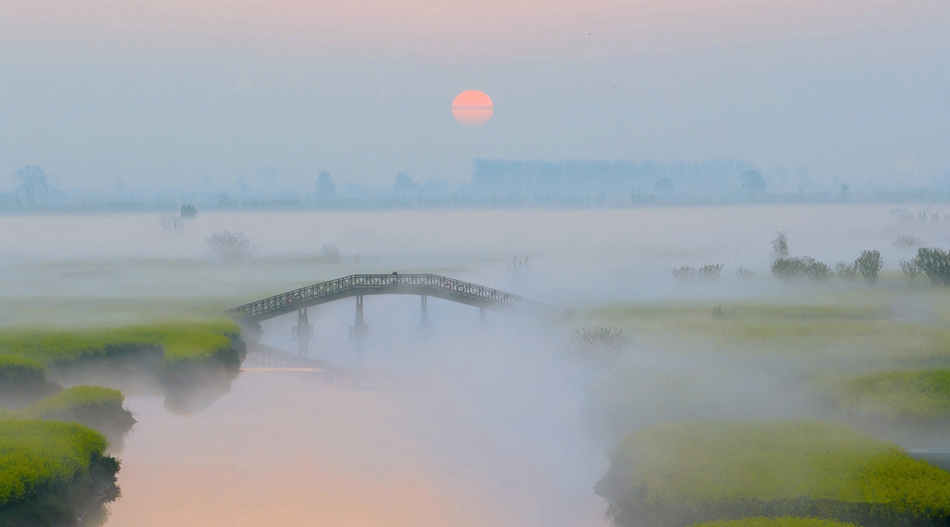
(303, 332)
(360, 329)
(425, 311)
(483, 313)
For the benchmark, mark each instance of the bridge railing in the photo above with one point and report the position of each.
(436, 283)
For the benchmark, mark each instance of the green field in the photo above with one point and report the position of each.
(922, 395)
(206, 341)
(776, 522)
(677, 474)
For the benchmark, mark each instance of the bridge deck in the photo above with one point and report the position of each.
(385, 284)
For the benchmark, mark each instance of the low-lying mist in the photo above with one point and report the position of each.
(463, 422)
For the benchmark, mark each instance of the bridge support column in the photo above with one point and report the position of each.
(425, 311)
(303, 332)
(483, 313)
(360, 329)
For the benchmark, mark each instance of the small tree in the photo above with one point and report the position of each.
(330, 254)
(752, 181)
(816, 271)
(869, 263)
(664, 184)
(31, 184)
(909, 268)
(935, 263)
(684, 273)
(326, 187)
(229, 245)
(780, 246)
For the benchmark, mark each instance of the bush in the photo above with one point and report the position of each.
(846, 271)
(172, 224)
(684, 273)
(909, 268)
(916, 395)
(94, 406)
(907, 242)
(599, 344)
(678, 474)
(231, 246)
(794, 269)
(330, 254)
(745, 274)
(869, 263)
(710, 271)
(935, 263)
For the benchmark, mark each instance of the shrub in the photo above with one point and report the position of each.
(710, 271)
(684, 273)
(909, 268)
(745, 274)
(935, 263)
(330, 254)
(789, 269)
(172, 224)
(678, 474)
(621, 273)
(816, 271)
(231, 246)
(907, 242)
(846, 271)
(869, 263)
(94, 406)
(599, 344)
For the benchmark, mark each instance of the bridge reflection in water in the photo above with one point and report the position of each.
(360, 285)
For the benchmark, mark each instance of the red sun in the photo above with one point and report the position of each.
(472, 108)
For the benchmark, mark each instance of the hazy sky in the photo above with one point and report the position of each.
(162, 93)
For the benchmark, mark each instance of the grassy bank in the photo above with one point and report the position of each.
(51, 471)
(184, 342)
(918, 395)
(776, 522)
(22, 380)
(94, 406)
(678, 474)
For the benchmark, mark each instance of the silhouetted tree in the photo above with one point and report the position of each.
(869, 263)
(229, 245)
(752, 181)
(31, 183)
(664, 184)
(326, 187)
(780, 246)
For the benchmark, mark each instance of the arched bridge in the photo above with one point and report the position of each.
(360, 285)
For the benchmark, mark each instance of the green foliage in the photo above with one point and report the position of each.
(794, 269)
(916, 395)
(39, 456)
(869, 263)
(935, 263)
(94, 406)
(20, 370)
(186, 341)
(712, 470)
(775, 522)
(846, 271)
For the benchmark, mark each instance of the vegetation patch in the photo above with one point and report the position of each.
(23, 380)
(210, 341)
(776, 522)
(52, 472)
(915, 395)
(679, 474)
(94, 406)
